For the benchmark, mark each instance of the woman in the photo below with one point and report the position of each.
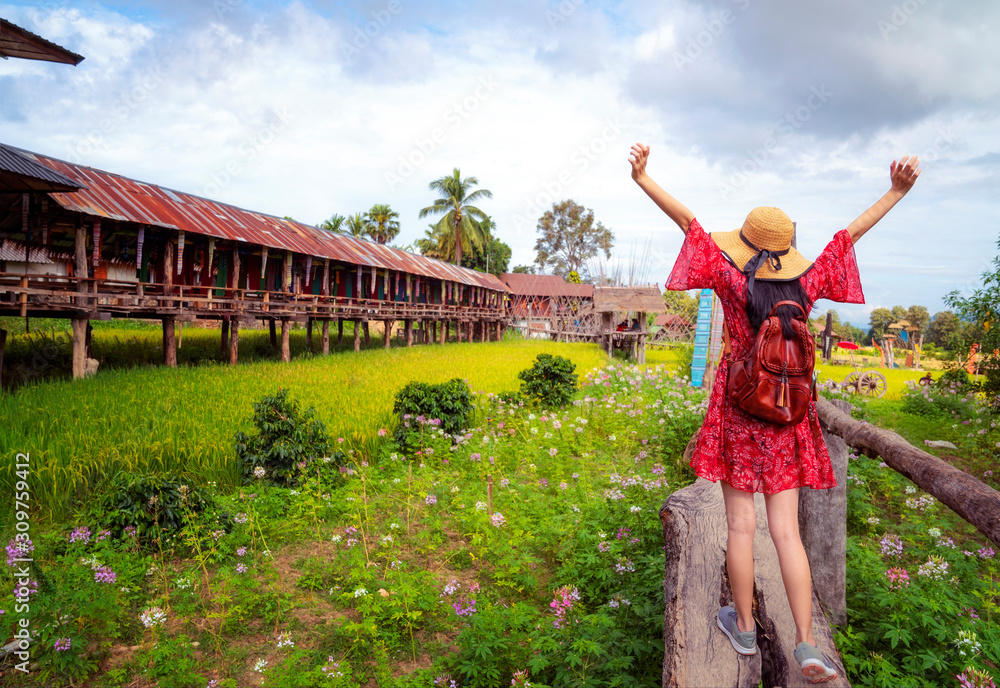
(750, 269)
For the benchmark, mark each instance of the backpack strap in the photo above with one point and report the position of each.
(788, 303)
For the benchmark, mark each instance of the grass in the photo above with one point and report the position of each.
(183, 419)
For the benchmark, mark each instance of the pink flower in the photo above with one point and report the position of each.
(381, 432)
(898, 578)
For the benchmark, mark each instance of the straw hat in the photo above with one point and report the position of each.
(765, 238)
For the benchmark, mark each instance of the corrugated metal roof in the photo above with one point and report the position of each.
(19, 173)
(14, 251)
(120, 198)
(545, 285)
(18, 42)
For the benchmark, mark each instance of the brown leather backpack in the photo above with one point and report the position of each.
(775, 381)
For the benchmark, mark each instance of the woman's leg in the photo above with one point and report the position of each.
(741, 521)
(783, 522)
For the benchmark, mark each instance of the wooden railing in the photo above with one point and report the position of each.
(57, 296)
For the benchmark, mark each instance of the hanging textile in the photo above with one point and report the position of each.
(288, 272)
(372, 292)
(263, 263)
(180, 250)
(326, 277)
(309, 276)
(357, 292)
(97, 242)
(138, 247)
(211, 255)
(395, 295)
(25, 226)
(409, 287)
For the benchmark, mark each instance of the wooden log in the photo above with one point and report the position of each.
(340, 331)
(357, 335)
(234, 342)
(286, 350)
(88, 340)
(326, 337)
(972, 499)
(169, 343)
(364, 325)
(408, 330)
(387, 332)
(696, 652)
(441, 332)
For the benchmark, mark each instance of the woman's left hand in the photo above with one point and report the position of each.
(904, 173)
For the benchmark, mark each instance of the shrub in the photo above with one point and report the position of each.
(953, 377)
(550, 382)
(145, 501)
(447, 406)
(285, 437)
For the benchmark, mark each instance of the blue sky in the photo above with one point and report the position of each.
(311, 108)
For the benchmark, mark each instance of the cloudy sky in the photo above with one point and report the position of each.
(318, 107)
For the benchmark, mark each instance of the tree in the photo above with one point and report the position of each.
(435, 244)
(918, 316)
(568, 237)
(979, 314)
(681, 302)
(573, 277)
(944, 330)
(357, 226)
(383, 223)
(459, 215)
(523, 270)
(492, 258)
(853, 333)
(879, 322)
(334, 224)
(898, 313)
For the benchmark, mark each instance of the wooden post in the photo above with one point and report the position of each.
(482, 331)
(168, 273)
(326, 337)
(357, 335)
(224, 344)
(169, 343)
(286, 352)
(364, 326)
(340, 331)
(3, 345)
(499, 330)
(309, 333)
(79, 325)
(387, 325)
(408, 329)
(274, 332)
(447, 330)
(234, 341)
(440, 332)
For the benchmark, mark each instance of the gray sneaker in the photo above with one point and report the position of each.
(815, 665)
(744, 643)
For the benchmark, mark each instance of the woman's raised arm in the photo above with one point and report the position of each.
(903, 175)
(676, 210)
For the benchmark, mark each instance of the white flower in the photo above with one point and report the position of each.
(873, 520)
(481, 506)
(910, 489)
(285, 640)
(154, 616)
(394, 526)
(260, 665)
(934, 532)
(360, 592)
(636, 509)
(259, 472)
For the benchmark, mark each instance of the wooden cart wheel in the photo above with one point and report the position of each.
(850, 383)
(872, 384)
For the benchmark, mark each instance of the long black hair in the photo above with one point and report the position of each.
(766, 294)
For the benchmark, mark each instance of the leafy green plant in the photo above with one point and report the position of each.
(550, 382)
(285, 438)
(447, 406)
(146, 502)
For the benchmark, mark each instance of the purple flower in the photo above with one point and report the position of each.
(63, 644)
(104, 574)
(241, 551)
(81, 533)
(26, 590)
(240, 568)
(464, 606)
(498, 520)
(430, 499)
(892, 546)
(18, 549)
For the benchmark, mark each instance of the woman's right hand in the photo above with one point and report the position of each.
(638, 158)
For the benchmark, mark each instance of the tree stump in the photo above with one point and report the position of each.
(696, 585)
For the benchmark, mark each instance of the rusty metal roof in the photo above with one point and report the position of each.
(545, 285)
(19, 174)
(18, 42)
(113, 196)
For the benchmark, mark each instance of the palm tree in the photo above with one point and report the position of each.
(460, 217)
(334, 224)
(436, 244)
(356, 225)
(383, 225)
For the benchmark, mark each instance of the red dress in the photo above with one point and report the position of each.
(750, 454)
